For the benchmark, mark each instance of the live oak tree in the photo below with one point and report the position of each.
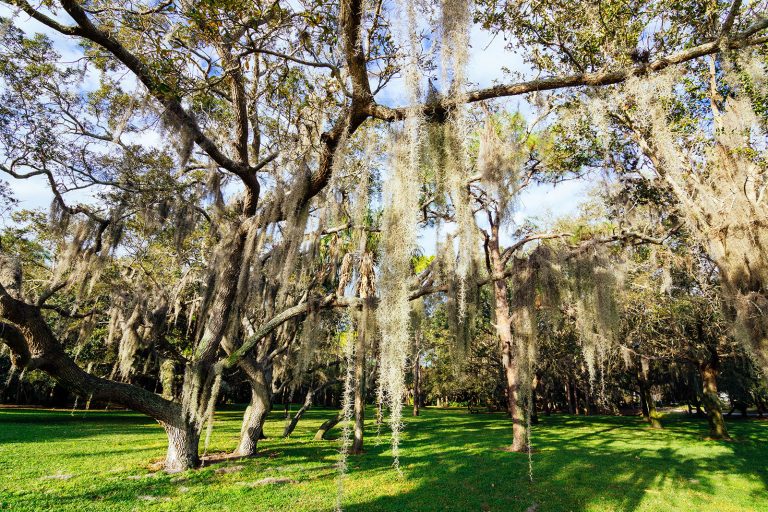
(260, 103)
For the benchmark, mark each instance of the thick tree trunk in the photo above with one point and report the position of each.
(182, 451)
(256, 413)
(650, 414)
(516, 410)
(34, 346)
(326, 427)
(709, 371)
(219, 305)
(653, 413)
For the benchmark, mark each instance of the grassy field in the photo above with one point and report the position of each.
(451, 460)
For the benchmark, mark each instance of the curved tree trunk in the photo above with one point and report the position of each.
(291, 426)
(34, 346)
(308, 400)
(327, 426)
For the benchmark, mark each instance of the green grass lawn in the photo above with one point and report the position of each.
(451, 460)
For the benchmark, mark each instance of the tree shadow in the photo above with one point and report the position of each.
(580, 463)
(36, 425)
(450, 460)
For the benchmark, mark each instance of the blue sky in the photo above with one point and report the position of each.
(488, 57)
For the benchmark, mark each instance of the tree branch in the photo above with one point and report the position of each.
(599, 78)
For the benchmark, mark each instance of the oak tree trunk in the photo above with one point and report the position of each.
(417, 376)
(291, 426)
(326, 427)
(33, 345)
(182, 451)
(709, 371)
(256, 413)
(507, 345)
(359, 378)
(308, 401)
(650, 414)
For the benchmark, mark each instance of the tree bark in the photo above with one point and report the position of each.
(575, 392)
(709, 372)
(308, 400)
(326, 427)
(291, 426)
(359, 377)
(182, 451)
(506, 341)
(650, 414)
(258, 409)
(417, 376)
(34, 346)
(653, 413)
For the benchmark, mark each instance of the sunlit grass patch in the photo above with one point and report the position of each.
(451, 460)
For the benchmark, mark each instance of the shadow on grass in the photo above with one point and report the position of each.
(36, 425)
(450, 460)
(580, 463)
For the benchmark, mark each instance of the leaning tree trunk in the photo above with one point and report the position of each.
(709, 372)
(258, 409)
(33, 345)
(327, 426)
(291, 426)
(309, 399)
